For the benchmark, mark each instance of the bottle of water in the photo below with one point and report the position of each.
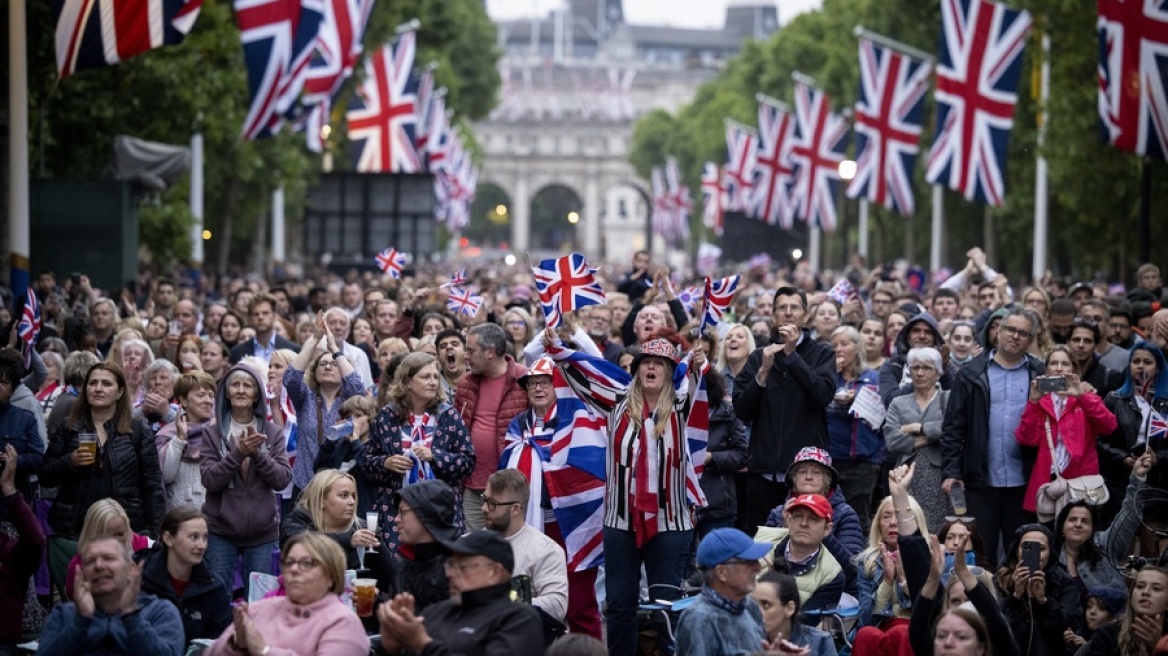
(339, 431)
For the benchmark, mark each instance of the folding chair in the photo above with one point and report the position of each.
(61, 550)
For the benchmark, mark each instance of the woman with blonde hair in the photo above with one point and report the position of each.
(105, 519)
(417, 434)
(309, 619)
(329, 505)
(885, 602)
(518, 325)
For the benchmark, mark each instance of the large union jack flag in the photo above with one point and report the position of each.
(741, 144)
(383, 117)
(94, 33)
(821, 138)
(338, 47)
(977, 87)
(770, 200)
(566, 284)
(718, 297)
(680, 201)
(713, 193)
(888, 125)
(1133, 74)
(278, 38)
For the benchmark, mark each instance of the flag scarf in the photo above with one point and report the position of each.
(718, 297)
(417, 431)
(978, 69)
(566, 284)
(564, 453)
(291, 428)
(94, 33)
(888, 126)
(1133, 85)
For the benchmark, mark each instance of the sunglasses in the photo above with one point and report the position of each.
(964, 519)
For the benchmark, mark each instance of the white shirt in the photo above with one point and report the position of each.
(538, 556)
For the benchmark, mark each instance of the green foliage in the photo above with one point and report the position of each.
(1094, 188)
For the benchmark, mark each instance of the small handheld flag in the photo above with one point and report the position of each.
(390, 261)
(566, 284)
(462, 301)
(719, 295)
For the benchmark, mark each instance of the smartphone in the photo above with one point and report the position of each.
(1030, 553)
(1052, 384)
(76, 278)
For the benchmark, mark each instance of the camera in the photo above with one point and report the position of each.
(1052, 384)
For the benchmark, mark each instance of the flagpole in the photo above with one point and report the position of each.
(814, 235)
(1041, 195)
(18, 220)
(774, 102)
(879, 39)
(862, 245)
(196, 197)
(278, 246)
(938, 228)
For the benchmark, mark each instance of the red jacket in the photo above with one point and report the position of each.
(1084, 419)
(514, 399)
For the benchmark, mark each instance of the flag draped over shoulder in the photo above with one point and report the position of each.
(95, 33)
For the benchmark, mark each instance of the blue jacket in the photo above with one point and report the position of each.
(18, 427)
(155, 628)
(851, 439)
(709, 630)
(820, 642)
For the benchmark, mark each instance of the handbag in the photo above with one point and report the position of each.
(1054, 495)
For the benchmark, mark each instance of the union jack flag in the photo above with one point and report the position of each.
(278, 38)
(425, 101)
(338, 47)
(1133, 84)
(462, 301)
(29, 326)
(821, 138)
(697, 425)
(770, 200)
(566, 284)
(291, 427)
(740, 143)
(94, 33)
(438, 133)
(383, 116)
(689, 297)
(714, 192)
(390, 261)
(680, 201)
(977, 86)
(1157, 425)
(888, 125)
(663, 209)
(718, 297)
(459, 278)
(564, 451)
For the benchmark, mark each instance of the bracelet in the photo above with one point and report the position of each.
(338, 355)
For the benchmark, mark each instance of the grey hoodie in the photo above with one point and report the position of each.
(243, 507)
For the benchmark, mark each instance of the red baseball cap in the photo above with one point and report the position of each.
(818, 504)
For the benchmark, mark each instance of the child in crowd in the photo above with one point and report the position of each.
(1104, 606)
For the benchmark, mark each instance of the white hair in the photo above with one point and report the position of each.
(927, 355)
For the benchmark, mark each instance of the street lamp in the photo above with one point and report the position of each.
(501, 209)
(847, 169)
(573, 217)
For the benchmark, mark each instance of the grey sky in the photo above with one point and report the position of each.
(676, 13)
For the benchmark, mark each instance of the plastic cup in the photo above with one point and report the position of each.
(364, 594)
(87, 443)
(371, 524)
(957, 498)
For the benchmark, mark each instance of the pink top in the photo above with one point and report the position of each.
(324, 627)
(137, 543)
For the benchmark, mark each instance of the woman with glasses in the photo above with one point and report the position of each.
(318, 381)
(519, 327)
(1041, 604)
(885, 600)
(912, 430)
(309, 619)
(417, 435)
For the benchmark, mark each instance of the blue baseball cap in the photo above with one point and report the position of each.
(723, 544)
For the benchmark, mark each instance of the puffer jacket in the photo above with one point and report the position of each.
(728, 454)
(203, 606)
(892, 382)
(126, 470)
(243, 508)
(514, 399)
(846, 539)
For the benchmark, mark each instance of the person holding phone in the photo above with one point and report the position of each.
(1039, 598)
(1144, 392)
(244, 466)
(1069, 411)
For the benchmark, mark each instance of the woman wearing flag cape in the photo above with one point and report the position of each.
(650, 439)
(417, 435)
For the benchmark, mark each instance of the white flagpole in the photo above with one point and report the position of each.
(938, 228)
(862, 245)
(18, 185)
(1041, 196)
(196, 199)
(814, 235)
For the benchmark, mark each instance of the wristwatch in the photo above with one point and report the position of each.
(338, 355)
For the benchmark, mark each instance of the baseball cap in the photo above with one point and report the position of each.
(484, 543)
(722, 544)
(816, 503)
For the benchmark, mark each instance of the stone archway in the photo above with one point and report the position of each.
(490, 217)
(556, 214)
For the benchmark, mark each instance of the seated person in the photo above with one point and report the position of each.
(425, 524)
(174, 571)
(20, 555)
(725, 620)
(106, 517)
(329, 504)
(109, 614)
(479, 617)
(536, 555)
(811, 472)
(819, 575)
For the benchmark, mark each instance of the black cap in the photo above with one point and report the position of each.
(484, 543)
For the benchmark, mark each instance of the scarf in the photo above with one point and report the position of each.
(718, 601)
(418, 430)
(535, 455)
(645, 503)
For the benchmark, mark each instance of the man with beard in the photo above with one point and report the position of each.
(1062, 313)
(1084, 336)
(451, 347)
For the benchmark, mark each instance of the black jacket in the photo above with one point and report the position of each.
(300, 521)
(204, 605)
(1104, 380)
(244, 349)
(728, 454)
(1038, 628)
(334, 454)
(486, 622)
(421, 571)
(965, 430)
(892, 371)
(791, 412)
(1122, 443)
(126, 470)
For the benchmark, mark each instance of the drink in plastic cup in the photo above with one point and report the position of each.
(364, 594)
(87, 443)
(371, 524)
(957, 498)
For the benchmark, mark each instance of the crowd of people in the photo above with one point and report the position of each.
(966, 467)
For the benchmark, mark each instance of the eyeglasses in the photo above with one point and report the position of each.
(973, 569)
(304, 564)
(536, 384)
(326, 364)
(492, 504)
(1015, 332)
(517, 322)
(964, 519)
